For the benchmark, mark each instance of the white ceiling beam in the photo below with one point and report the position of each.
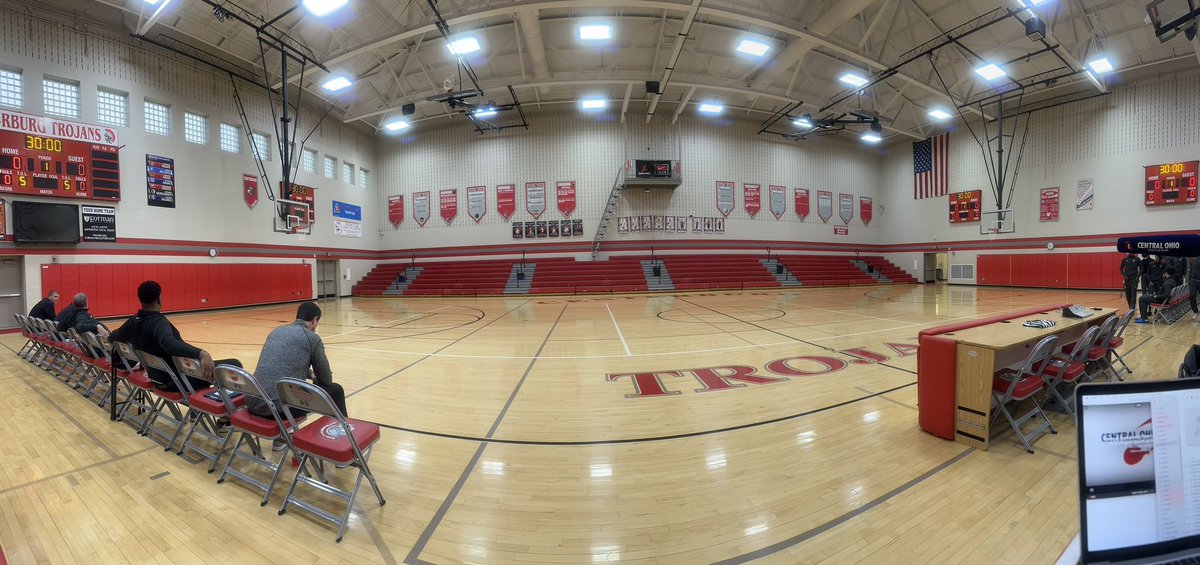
(153, 19)
(680, 40)
(625, 104)
(531, 29)
(683, 104)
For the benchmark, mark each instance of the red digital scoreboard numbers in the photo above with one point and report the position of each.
(42, 156)
(1172, 183)
(965, 206)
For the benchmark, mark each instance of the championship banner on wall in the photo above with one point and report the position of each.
(776, 200)
(846, 207)
(752, 198)
(160, 181)
(535, 198)
(301, 193)
(1049, 205)
(448, 203)
(866, 209)
(476, 202)
(565, 192)
(396, 210)
(1084, 194)
(802, 203)
(421, 207)
(824, 205)
(506, 200)
(250, 190)
(724, 197)
(99, 223)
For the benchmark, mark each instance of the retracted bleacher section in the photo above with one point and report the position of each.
(623, 274)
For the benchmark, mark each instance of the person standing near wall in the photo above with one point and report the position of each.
(1130, 267)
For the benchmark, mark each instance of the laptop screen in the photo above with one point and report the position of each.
(1139, 449)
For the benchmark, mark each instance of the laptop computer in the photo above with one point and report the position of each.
(1139, 471)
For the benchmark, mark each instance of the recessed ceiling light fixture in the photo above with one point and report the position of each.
(752, 47)
(463, 46)
(990, 71)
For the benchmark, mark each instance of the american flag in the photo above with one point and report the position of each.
(931, 167)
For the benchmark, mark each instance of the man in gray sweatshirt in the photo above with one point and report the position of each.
(296, 351)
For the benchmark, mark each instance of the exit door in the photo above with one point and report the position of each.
(11, 293)
(327, 279)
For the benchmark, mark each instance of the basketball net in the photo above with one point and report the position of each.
(992, 233)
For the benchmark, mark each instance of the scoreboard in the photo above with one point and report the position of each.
(48, 157)
(965, 206)
(1172, 183)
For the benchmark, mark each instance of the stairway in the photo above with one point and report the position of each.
(520, 286)
(662, 281)
(398, 287)
(610, 209)
(873, 273)
(785, 278)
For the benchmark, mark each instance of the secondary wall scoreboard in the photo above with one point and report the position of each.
(1171, 183)
(42, 156)
(965, 206)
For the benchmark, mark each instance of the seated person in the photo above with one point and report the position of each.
(295, 351)
(151, 332)
(44, 309)
(1171, 281)
(81, 320)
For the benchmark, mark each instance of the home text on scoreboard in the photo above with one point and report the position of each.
(48, 157)
(1171, 183)
(965, 206)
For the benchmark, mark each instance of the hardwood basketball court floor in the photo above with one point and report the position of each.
(775, 425)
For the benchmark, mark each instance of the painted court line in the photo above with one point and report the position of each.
(614, 321)
(381, 326)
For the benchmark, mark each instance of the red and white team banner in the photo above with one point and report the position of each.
(776, 200)
(824, 205)
(476, 202)
(506, 200)
(846, 207)
(802, 208)
(250, 190)
(396, 210)
(42, 126)
(535, 198)
(866, 209)
(1049, 208)
(421, 207)
(724, 197)
(448, 202)
(565, 191)
(752, 198)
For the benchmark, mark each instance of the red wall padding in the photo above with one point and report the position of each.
(1050, 270)
(112, 288)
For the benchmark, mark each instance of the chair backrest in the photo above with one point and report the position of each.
(1035, 363)
(1123, 323)
(126, 354)
(305, 395)
(236, 379)
(1086, 342)
(1107, 331)
(73, 334)
(155, 362)
(93, 342)
(190, 367)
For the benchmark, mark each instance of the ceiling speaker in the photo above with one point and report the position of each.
(408, 109)
(652, 87)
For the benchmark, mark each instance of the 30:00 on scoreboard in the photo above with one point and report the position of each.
(1171, 183)
(35, 162)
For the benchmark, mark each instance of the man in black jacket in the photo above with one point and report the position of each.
(1194, 285)
(151, 332)
(1130, 268)
(44, 309)
(78, 317)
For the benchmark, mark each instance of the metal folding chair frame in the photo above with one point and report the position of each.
(1034, 365)
(237, 379)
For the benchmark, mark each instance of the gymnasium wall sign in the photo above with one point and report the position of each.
(1167, 245)
(396, 210)
(99, 223)
(1171, 183)
(347, 219)
(674, 382)
(160, 181)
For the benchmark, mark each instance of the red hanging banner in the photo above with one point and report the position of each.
(802, 203)
(866, 209)
(506, 200)
(396, 210)
(448, 200)
(250, 190)
(752, 196)
(565, 191)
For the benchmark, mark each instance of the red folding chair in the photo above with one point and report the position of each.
(138, 385)
(250, 428)
(207, 406)
(170, 400)
(1118, 339)
(31, 342)
(1068, 368)
(1014, 386)
(333, 438)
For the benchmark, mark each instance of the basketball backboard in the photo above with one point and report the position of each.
(996, 222)
(292, 217)
(1169, 17)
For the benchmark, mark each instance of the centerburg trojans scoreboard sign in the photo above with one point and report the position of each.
(49, 157)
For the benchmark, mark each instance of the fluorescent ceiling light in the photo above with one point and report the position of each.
(396, 124)
(1101, 65)
(939, 114)
(152, 2)
(336, 83)
(803, 121)
(485, 112)
(710, 108)
(871, 137)
(853, 79)
(593, 104)
(320, 7)
(1037, 2)
(751, 47)
(990, 71)
(595, 32)
(464, 45)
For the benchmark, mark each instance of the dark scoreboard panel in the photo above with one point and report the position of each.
(42, 164)
(1171, 183)
(965, 206)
